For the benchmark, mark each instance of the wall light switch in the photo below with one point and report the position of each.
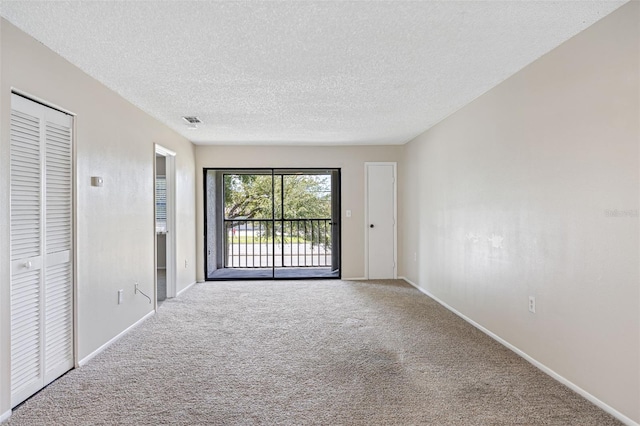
(348, 213)
(96, 181)
(120, 296)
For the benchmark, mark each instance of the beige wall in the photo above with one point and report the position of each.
(115, 223)
(512, 196)
(349, 159)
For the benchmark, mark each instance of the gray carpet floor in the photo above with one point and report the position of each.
(306, 353)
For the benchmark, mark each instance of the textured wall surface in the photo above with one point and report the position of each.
(349, 159)
(533, 189)
(115, 223)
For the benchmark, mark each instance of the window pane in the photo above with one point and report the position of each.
(161, 204)
(307, 196)
(247, 196)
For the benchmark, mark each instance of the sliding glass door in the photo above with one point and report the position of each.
(272, 223)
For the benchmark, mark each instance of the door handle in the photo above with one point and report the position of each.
(371, 226)
(28, 264)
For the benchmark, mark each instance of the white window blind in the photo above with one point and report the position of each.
(161, 204)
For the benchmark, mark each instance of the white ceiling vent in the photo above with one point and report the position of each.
(191, 119)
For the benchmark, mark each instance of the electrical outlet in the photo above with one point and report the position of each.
(120, 296)
(532, 304)
(186, 263)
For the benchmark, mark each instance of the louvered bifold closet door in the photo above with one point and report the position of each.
(26, 249)
(41, 278)
(58, 315)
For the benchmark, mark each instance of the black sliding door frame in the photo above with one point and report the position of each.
(216, 222)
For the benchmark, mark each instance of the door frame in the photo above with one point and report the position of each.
(172, 263)
(395, 215)
(336, 201)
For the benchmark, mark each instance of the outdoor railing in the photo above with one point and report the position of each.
(266, 243)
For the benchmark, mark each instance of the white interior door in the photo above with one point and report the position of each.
(381, 220)
(41, 246)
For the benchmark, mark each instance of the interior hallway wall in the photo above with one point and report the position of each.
(532, 190)
(115, 223)
(349, 159)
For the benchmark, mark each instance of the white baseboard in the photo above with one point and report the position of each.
(615, 413)
(5, 416)
(354, 279)
(185, 289)
(88, 358)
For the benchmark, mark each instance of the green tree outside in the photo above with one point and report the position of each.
(250, 196)
(307, 196)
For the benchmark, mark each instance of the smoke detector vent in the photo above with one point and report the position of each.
(191, 119)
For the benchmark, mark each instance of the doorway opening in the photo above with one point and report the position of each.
(165, 235)
(272, 223)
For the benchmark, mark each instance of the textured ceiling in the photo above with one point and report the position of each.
(315, 72)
